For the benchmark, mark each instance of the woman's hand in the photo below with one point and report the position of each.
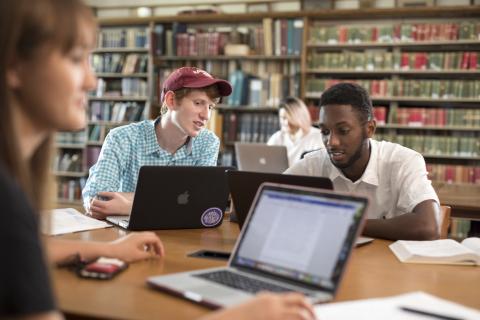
(137, 246)
(269, 306)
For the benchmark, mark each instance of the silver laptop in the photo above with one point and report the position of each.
(294, 239)
(260, 157)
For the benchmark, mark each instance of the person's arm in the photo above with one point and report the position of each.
(105, 175)
(421, 224)
(114, 203)
(54, 315)
(133, 247)
(207, 146)
(268, 306)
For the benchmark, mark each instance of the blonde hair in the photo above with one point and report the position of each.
(211, 91)
(26, 27)
(297, 113)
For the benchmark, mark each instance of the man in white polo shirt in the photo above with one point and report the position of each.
(404, 204)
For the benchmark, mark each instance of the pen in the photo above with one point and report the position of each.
(430, 314)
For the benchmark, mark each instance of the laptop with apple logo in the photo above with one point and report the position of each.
(177, 197)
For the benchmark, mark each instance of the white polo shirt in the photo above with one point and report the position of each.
(298, 144)
(395, 179)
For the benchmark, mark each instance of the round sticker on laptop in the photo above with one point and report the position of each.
(211, 217)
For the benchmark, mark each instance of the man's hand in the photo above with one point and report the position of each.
(116, 203)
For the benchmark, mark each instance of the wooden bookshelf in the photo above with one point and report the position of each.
(110, 64)
(309, 45)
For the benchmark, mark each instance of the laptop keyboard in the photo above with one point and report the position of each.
(238, 281)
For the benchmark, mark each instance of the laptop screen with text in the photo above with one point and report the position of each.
(300, 235)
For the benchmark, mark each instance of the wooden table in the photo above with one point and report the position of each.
(373, 271)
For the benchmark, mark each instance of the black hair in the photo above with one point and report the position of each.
(347, 93)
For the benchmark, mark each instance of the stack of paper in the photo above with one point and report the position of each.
(393, 308)
(68, 220)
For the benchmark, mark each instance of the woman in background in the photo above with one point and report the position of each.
(296, 131)
(44, 79)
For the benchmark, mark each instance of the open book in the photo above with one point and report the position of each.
(445, 251)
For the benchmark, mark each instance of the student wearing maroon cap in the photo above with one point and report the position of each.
(177, 137)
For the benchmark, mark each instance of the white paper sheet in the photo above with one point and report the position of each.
(68, 220)
(389, 308)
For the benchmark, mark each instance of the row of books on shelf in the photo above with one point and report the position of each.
(454, 173)
(126, 87)
(255, 83)
(119, 63)
(255, 91)
(116, 111)
(69, 161)
(116, 37)
(457, 146)
(421, 88)
(395, 32)
(249, 127)
(371, 60)
(464, 228)
(70, 189)
(276, 37)
(79, 137)
(417, 117)
(98, 132)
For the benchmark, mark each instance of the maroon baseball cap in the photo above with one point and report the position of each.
(191, 77)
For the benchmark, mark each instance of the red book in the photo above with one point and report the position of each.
(472, 65)
(415, 117)
(342, 34)
(453, 32)
(404, 61)
(380, 115)
(439, 117)
(470, 174)
(477, 175)
(414, 34)
(449, 174)
(374, 34)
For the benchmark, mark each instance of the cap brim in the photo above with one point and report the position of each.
(224, 87)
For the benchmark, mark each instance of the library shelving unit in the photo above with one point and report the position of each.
(422, 69)
(421, 66)
(123, 67)
(259, 54)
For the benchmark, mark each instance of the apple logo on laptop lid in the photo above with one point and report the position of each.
(183, 197)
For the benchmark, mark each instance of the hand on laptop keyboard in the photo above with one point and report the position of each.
(268, 306)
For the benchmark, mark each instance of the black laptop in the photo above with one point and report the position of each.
(177, 197)
(244, 185)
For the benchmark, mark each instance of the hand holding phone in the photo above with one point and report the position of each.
(102, 268)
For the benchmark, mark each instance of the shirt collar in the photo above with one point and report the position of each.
(152, 142)
(370, 175)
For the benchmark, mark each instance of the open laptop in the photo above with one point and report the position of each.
(294, 239)
(260, 157)
(176, 197)
(244, 184)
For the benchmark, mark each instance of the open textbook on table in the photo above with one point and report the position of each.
(444, 251)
